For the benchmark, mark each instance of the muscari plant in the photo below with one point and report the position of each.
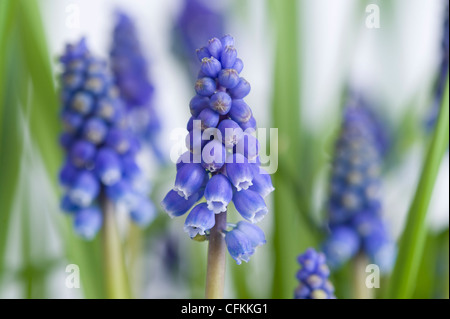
(356, 226)
(405, 274)
(100, 174)
(100, 148)
(130, 69)
(313, 277)
(221, 164)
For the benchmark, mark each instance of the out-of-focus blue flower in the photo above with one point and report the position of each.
(100, 148)
(441, 79)
(198, 21)
(342, 244)
(360, 109)
(84, 189)
(130, 71)
(144, 212)
(354, 207)
(313, 277)
(223, 165)
(376, 241)
(87, 222)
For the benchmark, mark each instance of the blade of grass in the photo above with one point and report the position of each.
(413, 238)
(11, 143)
(45, 102)
(433, 267)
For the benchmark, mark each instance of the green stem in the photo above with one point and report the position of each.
(360, 290)
(413, 238)
(135, 247)
(215, 273)
(114, 266)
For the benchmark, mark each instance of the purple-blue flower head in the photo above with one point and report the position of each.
(222, 161)
(313, 277)
(355, 221)
(130, 69)
(100, 148)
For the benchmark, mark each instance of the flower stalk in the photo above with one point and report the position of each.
(360, 289)
(215, 274)
(116, 280)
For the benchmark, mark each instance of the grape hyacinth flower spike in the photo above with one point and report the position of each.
(100, 171)
(357, 229)
(130, 70)
(313, 277)
(222, 164)
(100, 149)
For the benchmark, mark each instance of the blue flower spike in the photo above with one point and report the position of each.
(100, 147)
(228, 168)
(355, 209)
(130, 69)
(313, 277)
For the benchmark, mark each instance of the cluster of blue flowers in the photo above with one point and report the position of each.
(100, 149)
(443, 73)
(130, 68)
(197, 22)
(313, 277)
(222, 163)
(354, 206)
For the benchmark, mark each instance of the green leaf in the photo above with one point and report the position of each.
(11, 142)
(44, 122)
(433, 268)
(413, 239)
